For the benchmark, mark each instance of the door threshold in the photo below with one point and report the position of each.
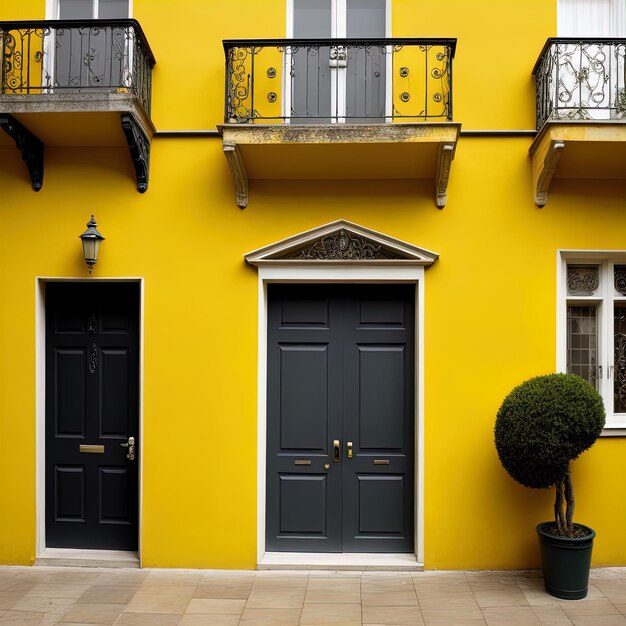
(87, 558)
(343, 561)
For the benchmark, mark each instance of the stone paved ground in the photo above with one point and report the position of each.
(69, 595)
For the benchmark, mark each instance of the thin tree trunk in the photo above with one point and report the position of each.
(558, 507)
(571, 503)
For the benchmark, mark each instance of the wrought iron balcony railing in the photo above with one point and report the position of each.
(76, 56)
(581, 79)
(338, 80)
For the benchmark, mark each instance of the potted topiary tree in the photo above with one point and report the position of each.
(542, 425)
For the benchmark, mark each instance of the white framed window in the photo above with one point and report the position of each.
(591, 18)
(591, 326)
(88, 9)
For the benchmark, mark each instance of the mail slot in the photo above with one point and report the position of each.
(91, 449)
(381, 461)
(302, 462)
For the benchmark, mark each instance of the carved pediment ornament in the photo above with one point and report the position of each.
(340, 246)
(341, 242)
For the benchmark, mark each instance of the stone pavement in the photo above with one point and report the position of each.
(71, 595)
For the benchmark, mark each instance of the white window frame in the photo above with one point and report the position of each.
(604, 300)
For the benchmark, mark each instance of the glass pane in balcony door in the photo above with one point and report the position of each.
(366, 71)
(75, 9)
(310, 66)
(112, 9)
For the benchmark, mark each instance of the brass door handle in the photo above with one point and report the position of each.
(349, 450)
(131, 448)
(336, 451)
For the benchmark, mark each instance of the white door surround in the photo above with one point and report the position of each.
(280, 262)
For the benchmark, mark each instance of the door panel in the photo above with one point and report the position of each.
(69, 392)
(92, 377)
(340, 367)
(304, 397)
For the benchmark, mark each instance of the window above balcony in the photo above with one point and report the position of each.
(339, 109)
(77, 83)
(581, 112)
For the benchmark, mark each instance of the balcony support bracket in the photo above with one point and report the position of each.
(445, 154)
(544, 165)
(238, 172)
(139, 148)
(29, 145)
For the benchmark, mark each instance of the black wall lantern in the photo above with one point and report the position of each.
(91, 239)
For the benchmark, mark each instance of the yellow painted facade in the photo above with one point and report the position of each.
(490, 299)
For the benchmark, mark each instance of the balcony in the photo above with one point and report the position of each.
(339, 109)
(581, 112)
(76, 83)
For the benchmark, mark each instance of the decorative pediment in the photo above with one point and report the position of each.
(341, 242)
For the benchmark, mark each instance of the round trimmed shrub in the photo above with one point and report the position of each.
(545, 423)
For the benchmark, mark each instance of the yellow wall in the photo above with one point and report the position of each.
(490, 299)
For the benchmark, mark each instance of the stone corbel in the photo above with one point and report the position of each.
(544, 166)
(238, 172)
(139, 148)
(445, 154)
(30, 146)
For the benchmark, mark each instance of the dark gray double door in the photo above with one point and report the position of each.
(340, 423)
(92, 409)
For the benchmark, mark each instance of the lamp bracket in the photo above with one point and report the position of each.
(29, 145)
(139, 148)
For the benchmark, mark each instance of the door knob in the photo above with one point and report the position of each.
(349, 452)
(131, 448)
(336, 452)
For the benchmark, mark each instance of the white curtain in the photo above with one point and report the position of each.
(591, 18)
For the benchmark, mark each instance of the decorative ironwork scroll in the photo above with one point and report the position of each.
(620, 279)
(619, 388)
(341, 246)
(91, 324)
(93, 359)
(582, 280)
(581, 79)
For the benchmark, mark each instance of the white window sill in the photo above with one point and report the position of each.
(617, 429)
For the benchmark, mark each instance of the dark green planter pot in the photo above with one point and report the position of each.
(566, 563)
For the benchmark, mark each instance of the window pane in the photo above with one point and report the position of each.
(75, 9)
(582, 280)
(582, 342)
(620, 279)
(112, 9)
(619, 389)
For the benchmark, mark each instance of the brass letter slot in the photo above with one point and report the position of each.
(302, 462)
(91, 449)
(381, 461)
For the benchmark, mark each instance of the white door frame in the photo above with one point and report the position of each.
(40, 400)
(325, 274)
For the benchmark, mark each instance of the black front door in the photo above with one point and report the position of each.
(92, 409)
(340, 423)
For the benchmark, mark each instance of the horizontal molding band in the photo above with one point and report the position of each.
(467, 133)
